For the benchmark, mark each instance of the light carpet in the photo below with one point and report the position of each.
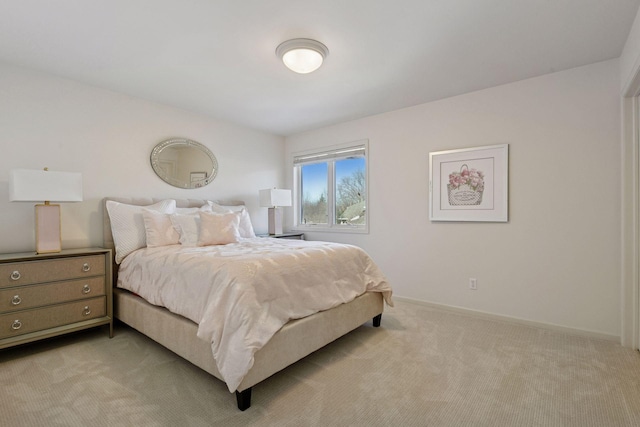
(423, 367)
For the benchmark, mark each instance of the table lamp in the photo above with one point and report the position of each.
(274, 199)
(26, 185)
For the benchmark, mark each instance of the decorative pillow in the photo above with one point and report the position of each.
(187, 223)
(218, 229)
(187, 226)
(246, 228)
(127, 225)
(159, 229)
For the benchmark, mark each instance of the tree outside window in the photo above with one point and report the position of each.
(332, 189)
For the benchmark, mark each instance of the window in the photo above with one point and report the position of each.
(331, 188)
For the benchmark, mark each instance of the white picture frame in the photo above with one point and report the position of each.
(469, 184)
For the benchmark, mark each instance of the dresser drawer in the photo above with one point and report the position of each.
(24, 322)
(50, 270)
(26, 297)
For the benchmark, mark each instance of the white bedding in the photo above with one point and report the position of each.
(241, 294)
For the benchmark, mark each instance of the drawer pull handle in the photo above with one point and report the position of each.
(16, 300)
(87, 310)
(86, 289)
(86, 267)
(15, 275)
(16, 325)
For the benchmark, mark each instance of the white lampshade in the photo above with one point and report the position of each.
(27, 185)
(275, 197)
(302, 55)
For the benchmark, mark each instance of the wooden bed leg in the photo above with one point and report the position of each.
(377, 320)
(244, 399)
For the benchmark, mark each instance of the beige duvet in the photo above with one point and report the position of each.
(241, 294)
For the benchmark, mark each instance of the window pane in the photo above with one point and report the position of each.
(314, 193)
(350, 191)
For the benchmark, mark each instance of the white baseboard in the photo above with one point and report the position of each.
(499, 317)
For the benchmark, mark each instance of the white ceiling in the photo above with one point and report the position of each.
(217, 57)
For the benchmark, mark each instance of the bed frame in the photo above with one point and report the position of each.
(294, 341)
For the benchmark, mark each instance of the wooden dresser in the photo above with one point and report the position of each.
(44, 295)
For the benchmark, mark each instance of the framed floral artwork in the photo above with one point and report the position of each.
(469, 184)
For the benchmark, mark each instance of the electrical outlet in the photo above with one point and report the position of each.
(473, 284)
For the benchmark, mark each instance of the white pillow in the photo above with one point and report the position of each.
(127, 225)
(246, 228)
(159, 229)
(187, 226)
(221, 209)
(203, 208)
(218, 229)
(187, 223)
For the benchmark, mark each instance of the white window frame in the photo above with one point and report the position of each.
(335, 152)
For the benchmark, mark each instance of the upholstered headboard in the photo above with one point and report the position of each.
(145, 201)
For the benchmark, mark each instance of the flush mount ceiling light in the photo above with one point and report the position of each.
(302, 55)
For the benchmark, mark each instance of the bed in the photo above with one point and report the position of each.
(177, 332)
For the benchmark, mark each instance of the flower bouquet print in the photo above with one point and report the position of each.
(469, 184)
(465, 187)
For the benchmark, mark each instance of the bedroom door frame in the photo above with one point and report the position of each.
(630, 204)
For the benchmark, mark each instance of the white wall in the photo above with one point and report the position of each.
(557, 260)
(69, 126)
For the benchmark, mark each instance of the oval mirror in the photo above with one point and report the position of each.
(184, 163)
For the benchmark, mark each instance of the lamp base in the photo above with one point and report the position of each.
(48, 235)
(275, 220)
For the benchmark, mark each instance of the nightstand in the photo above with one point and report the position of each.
(45, 295)
(292, 236)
